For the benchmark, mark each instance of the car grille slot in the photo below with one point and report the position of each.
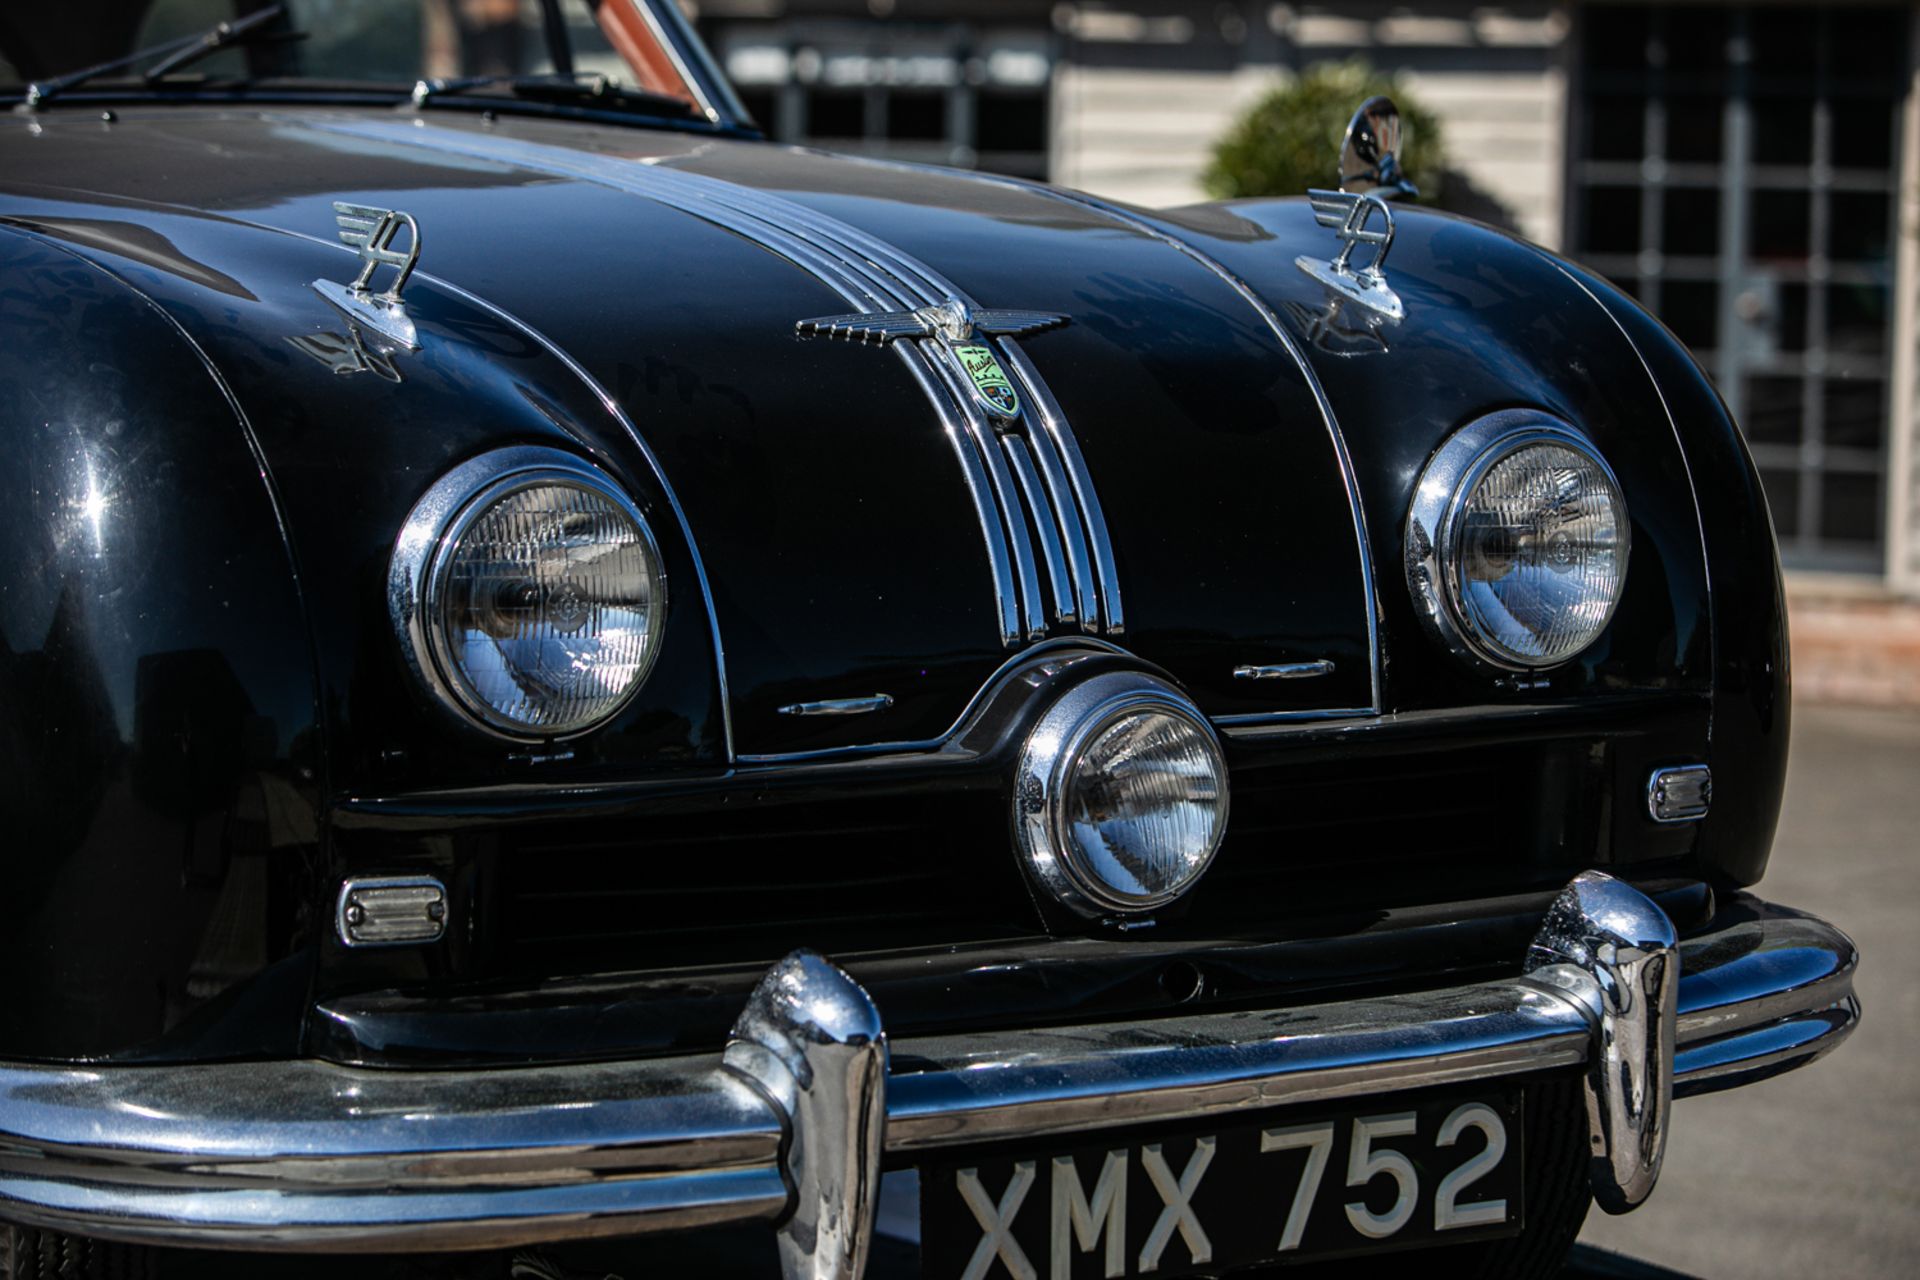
(1401, 829)
(727, 888)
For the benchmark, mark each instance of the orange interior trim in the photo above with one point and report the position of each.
(633, 39)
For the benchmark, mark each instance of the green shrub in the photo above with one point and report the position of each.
(1290, 140)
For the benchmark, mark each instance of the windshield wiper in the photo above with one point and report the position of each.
(584, 88)
(173, 54)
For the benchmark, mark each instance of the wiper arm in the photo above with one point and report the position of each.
(224, 36)
(584, 88)
(173, 54)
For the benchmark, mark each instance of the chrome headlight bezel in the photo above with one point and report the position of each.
(1434, 530)
(1048, 759)
(424, 551)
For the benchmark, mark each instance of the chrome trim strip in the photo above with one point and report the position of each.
(1069, 524)
(1673, 427)
(1250, 724)
(722, 204)
(1032, 606)
(1285, 670)
(839, 706)
(1046, 651)
(309, 1155)
(1053, 423)
(1347, 474)
(1045, 518)
(993, 533)
(927, 287)
(903, 282)
(702, 91)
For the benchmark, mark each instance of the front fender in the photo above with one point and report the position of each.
(1752, 679)
(158, 726)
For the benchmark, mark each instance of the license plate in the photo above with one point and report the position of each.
(1387, 1175)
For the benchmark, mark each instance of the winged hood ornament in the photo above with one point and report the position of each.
(1370, 176)
(371, 232)
(953, 326)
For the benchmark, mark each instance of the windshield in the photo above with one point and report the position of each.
(385, 43)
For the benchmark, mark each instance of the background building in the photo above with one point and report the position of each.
(1750, 171)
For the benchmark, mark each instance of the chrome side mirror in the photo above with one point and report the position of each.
(1370, 154)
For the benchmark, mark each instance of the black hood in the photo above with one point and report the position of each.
(845, 545)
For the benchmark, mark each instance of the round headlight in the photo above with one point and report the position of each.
(1517, 542)
(1121, 796)
(528, 594)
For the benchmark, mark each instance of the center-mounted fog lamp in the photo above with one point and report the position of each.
(1121, 796)
(1517, 542)
(528, 594)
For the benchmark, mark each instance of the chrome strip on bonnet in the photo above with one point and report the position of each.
(1371, 586)
(1044, 522)
(1053, 423)
(927, 287)
(1068, 523)
(1033, 608)
(791, 1125)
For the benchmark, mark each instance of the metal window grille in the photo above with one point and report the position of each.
(1735, 168)
(933, 93)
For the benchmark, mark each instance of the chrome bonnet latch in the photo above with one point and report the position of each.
(1613, 952)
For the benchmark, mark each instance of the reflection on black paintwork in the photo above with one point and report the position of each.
(136, 242)
(348, 353)
(1342, 328)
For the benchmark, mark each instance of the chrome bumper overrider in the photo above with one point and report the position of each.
(789, 1126)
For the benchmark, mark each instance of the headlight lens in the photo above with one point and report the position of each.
(1122, 796)
(534, 592)
(1517, 543)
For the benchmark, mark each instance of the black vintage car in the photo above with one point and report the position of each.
(569, 673)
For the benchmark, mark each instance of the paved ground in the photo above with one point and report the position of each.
(1814, 1174)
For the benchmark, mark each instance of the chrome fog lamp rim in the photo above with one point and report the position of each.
(1052, 752)
(1434, 526)
(424, 552)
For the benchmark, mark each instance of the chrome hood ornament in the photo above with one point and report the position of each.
(372, 232)
(954, 326)
(1370, 176)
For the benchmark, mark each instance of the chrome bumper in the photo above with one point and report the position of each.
(790, 1124)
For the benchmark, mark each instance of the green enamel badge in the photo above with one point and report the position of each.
(990, 382)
